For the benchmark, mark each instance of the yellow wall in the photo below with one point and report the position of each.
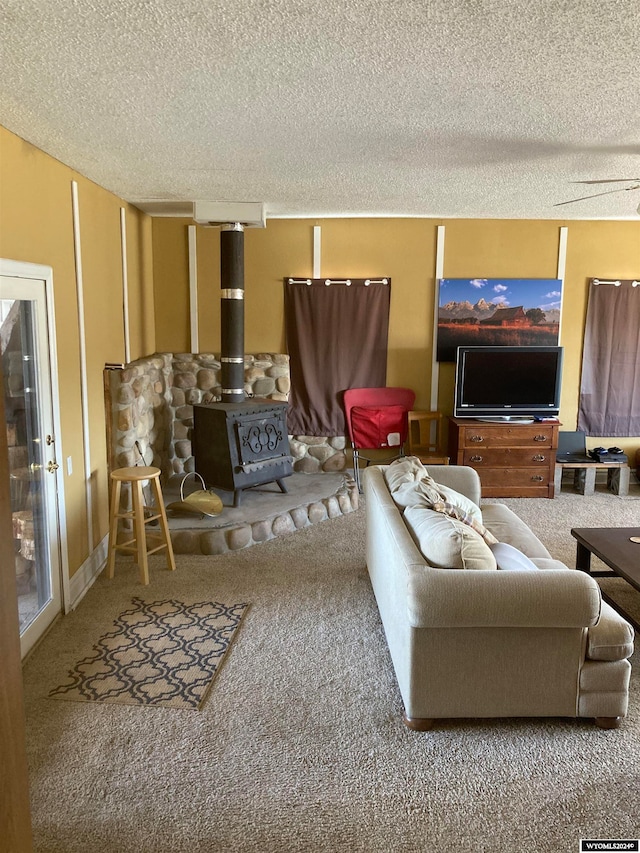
(36, 226)
(405, 250)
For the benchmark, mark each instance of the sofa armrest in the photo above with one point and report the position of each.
(450, 598)
(612, 638)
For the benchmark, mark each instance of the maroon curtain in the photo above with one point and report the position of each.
(336, 339)
(610, 388)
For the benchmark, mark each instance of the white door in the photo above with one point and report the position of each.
(25, 352)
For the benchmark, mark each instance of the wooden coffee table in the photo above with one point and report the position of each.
(613, 546)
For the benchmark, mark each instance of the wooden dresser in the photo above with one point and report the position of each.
(513, 460)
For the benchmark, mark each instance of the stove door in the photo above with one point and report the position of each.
(260, 437)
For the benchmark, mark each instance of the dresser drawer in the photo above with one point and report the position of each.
(536, 435)
(517, 457)
(514, 477)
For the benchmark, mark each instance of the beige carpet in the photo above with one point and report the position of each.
(300, 746)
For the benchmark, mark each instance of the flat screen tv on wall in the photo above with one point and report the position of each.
(508, 383)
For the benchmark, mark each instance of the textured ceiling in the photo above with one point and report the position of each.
(463, 108)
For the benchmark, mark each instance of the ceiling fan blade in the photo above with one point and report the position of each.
(584, 197)
(610, 181)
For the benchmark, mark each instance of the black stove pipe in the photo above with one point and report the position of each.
(232, 312)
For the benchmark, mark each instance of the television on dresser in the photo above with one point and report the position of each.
(508, 383)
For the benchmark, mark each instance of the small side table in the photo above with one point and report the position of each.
(585, 476)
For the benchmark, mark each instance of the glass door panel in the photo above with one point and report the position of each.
(25, 363)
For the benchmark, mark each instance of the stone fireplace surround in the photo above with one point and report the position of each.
(150, 402)
(149, 405)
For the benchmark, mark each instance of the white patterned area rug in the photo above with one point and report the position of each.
(159, 653)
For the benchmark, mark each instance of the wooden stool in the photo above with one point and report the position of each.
(420, 442)
(141, 515)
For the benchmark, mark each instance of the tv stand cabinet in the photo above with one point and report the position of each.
(513, 460)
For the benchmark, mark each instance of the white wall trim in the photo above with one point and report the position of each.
(193, 287)
(317, 250)
(562, 268)
(125, 285)
(84, 384)
(439, 273)
(86, 575)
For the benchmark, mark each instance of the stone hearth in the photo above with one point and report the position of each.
(150, 416)
(265, 512)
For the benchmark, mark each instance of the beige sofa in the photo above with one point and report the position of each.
(485, 642)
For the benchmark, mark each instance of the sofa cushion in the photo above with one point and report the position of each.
(447, 543)
(509, 559)
(550, 564)
(507, 527)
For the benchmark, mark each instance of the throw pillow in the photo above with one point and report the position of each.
(408, 469)
(461, 501)
(447, 543)
(416, 493)
(509, 559)
(408, 481)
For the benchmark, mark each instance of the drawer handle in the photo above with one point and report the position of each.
(539, 457)
(537, 478)
(540, 437)
(476, 438)
(476, 459)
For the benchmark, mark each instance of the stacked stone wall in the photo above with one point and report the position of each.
(140, 423)
(152, 402)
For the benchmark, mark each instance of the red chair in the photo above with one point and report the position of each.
(377, 418)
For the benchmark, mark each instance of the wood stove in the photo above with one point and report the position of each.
(238, 443)
(241, 445)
